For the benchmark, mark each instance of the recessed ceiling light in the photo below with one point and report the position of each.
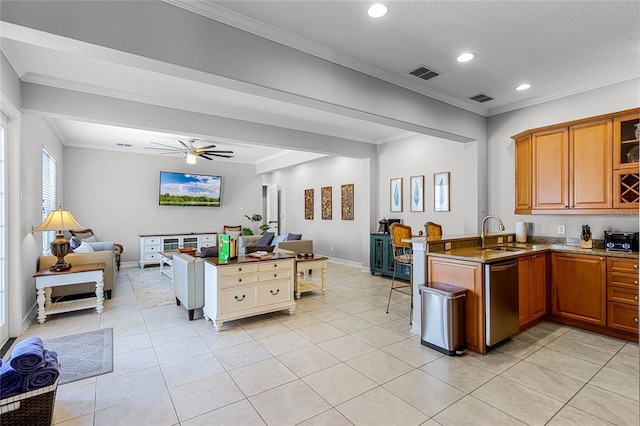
(523, 86)
(465, 57)
(377, 10)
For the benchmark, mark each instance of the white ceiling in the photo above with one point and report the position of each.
(559, 47)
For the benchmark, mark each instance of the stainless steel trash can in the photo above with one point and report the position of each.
(443, 317)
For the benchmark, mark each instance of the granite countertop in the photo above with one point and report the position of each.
(486, 255)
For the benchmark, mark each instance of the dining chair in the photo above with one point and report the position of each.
(402, 256)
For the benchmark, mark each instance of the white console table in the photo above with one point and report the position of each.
(151, 245)
(77, 274)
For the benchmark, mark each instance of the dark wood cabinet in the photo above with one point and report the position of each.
(381, 257)
(532, 287)
(579, 287)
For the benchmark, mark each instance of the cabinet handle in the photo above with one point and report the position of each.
(239, 269)
(602, 258)
(533, 257)
(240, 300)
(271, 291)
(275, 265)
(635, 297)
(566, 206)
(635, 282)
(635, 319)
(239, 280)
(275, 275)
(635, 266)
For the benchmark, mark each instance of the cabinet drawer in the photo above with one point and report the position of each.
(151, 249)
(207, 244)
(152, 256)
(276, 274)
(621, 264)
(623, 280)
(623, 317)
(207, 238)
(275, 292)
(229, 280)
(239, 298)
(277, 265)
(238, 269)
(623, 295)
(151, 241)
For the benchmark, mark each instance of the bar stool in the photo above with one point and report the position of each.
(402, 255)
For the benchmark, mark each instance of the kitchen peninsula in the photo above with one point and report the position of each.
(592, 289)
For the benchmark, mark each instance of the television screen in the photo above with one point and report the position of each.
(186, 189)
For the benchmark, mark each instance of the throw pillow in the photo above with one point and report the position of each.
(209, 251)
(91, 239)
(266, 239)
(74, 242)
(294, 237)
(278, 239)
(84, 248)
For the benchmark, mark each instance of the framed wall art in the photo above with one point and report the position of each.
(395, 195)
(417, 193)
(308, 204)
(441, 192)
(325, 195)
(347, 201)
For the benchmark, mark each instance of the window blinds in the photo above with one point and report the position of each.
(49, 194)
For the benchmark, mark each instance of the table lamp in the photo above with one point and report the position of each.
(59, 220)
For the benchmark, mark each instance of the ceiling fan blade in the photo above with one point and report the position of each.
(217, 152)
(184, 144)
(220, 155)
(204, 148)
(163, 149)
(204, 156)
(170, 146)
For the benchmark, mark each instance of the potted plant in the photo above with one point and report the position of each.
(258, 229)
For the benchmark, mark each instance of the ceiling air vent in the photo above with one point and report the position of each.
(424, 72)
(124, 145)
(481, 97)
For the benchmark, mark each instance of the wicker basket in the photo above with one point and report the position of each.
(34, 408)
(189, 251)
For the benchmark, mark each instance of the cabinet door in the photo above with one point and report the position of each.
(524, 289)
(538, 291)
(590, 151)
(523, 174)
(625, 142)
(550, 172)
(377, 254)
(579, 287)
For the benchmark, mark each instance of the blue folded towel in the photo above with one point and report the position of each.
(27, 355)
(11, 382)
(45, 374)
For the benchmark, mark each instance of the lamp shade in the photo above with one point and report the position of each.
(59, 220)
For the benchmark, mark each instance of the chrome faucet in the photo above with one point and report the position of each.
(484, 231)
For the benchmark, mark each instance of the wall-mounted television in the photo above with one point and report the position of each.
(188, 189)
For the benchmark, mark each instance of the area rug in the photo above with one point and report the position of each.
(83, 355)
(151, 288)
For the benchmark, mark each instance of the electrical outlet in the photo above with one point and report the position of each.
(510, 238)
(331, 248)
(562, 229)
(447, 246)
(500, 240)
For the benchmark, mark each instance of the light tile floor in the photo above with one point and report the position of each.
(339, 360)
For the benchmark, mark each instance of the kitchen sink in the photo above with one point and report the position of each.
(503, 248)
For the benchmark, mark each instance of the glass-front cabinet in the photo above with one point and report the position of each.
(626, 147)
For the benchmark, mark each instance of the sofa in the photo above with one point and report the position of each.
(249, 244)
(103, 253)
(188, 282)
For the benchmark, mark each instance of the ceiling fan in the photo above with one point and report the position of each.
(190, 151)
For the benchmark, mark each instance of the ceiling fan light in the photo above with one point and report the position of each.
(191, 159)
(377, 10)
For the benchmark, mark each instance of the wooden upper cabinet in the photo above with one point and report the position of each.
(550, 150)
(590, 167)
(523, 174)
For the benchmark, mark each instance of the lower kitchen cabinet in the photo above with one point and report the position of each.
(532, 287)
(579, 287)
(622, 294)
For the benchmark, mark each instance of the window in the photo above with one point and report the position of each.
(49, 194)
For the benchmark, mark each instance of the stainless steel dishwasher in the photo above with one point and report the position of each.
(501, 299)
